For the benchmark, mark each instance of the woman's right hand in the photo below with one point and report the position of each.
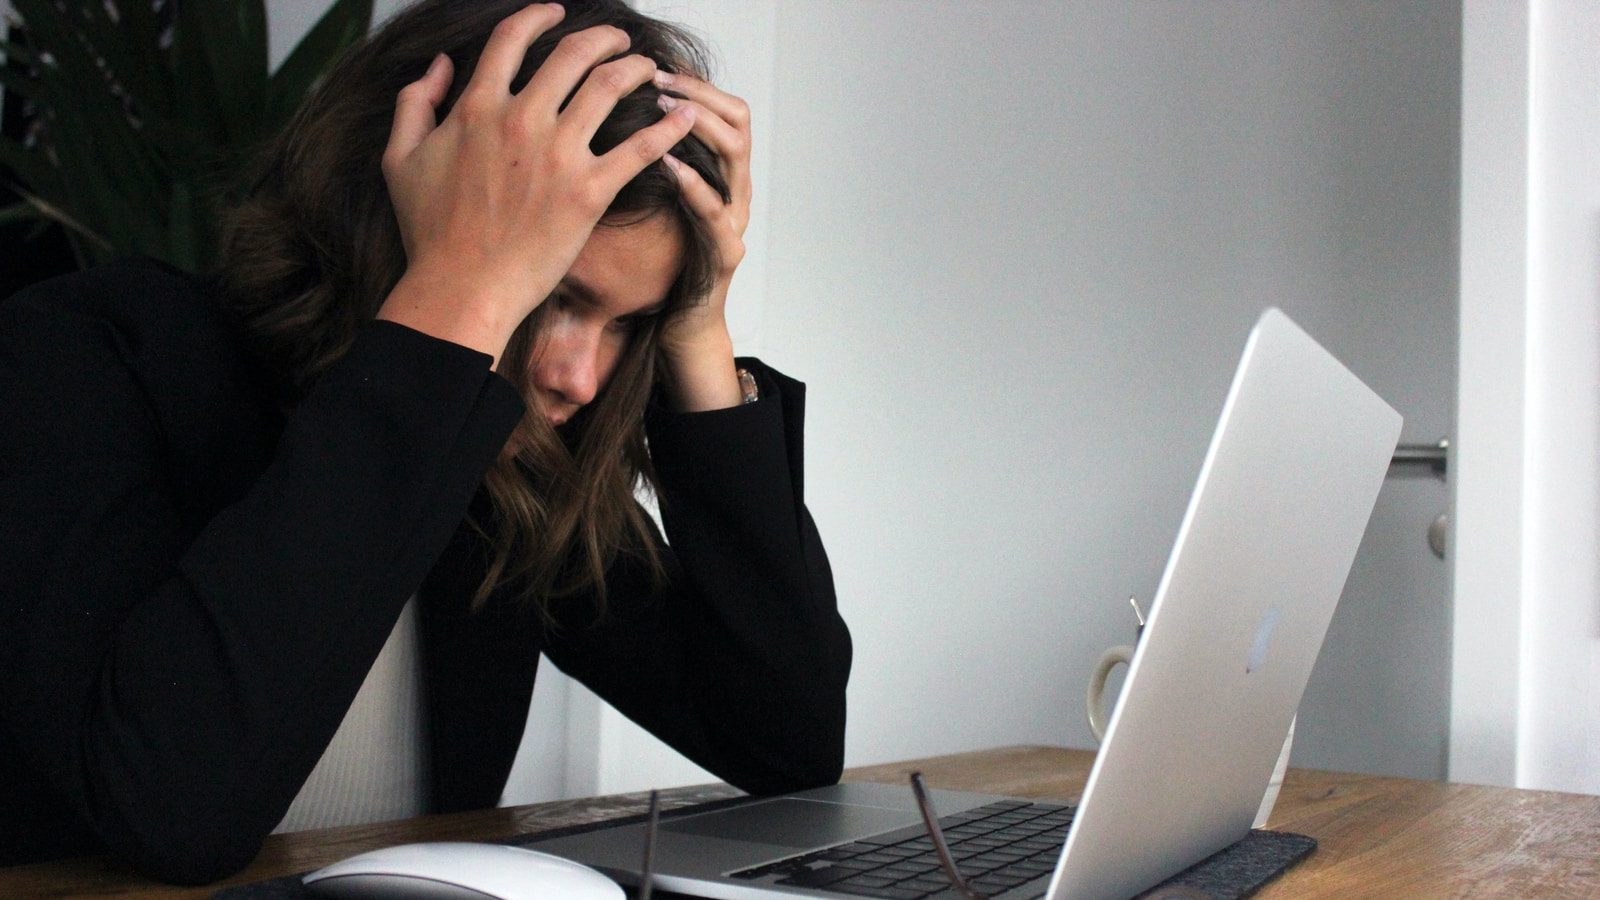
(495, 203)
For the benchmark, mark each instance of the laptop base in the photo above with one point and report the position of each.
(1236, 871)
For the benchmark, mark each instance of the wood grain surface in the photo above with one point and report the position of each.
(1379, 837)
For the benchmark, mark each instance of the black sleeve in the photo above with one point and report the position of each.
(740, 661)
(174, 688)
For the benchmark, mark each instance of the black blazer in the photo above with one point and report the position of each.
(195, 584)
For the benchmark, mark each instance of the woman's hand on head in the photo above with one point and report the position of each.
(696, 342)
(495, 202)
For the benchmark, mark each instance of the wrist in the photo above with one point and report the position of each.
(702, 375)
(450, 309)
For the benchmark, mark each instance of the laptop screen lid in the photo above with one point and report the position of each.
(1283, 498)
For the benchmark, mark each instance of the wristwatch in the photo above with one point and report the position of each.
(747, 386)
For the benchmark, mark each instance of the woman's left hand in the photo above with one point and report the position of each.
(696, 342)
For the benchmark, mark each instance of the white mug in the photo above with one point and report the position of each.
(1094, 702)
(1094, 698)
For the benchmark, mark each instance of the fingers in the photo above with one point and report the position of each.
(415, 110)
(723, 123)
(600, 92)
(645, 146)
(569, 62)
(508, 44)
(731, 146)
(729, 108)
(725, 221)
(702, 198)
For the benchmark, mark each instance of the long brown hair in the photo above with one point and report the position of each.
(313, 251)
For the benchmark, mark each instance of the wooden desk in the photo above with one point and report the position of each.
(1379, 837)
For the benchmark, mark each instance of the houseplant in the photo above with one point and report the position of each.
(146, 112)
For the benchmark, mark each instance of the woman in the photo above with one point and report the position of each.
(395, 441)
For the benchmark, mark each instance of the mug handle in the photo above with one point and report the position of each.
(1094, 697)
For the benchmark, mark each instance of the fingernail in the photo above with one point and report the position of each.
(672, 162)
(667, 103)
(663, 79)
(436, 65)
(687, 111)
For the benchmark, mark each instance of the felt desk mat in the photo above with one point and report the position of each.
(1237, 870)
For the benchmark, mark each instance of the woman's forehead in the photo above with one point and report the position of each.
(629, 268)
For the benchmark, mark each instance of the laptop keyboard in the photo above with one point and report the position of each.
(997, 847)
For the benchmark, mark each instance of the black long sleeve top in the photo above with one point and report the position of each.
(193, 583)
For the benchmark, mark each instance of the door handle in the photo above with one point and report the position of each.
(1437, 458)
(1434, 456)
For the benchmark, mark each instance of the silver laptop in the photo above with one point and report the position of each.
(1283, 498)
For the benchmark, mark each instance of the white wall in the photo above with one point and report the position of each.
(1017, 247)
(1020, 248)
(1528, 631)
(1487, 549)
(1014, 250)
(1560, 709)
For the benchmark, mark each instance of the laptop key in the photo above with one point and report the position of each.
(820, 877)
(879, 857)
(994, 884)
(897, 836)
(856, 864)
(866, 879)
(889, 893)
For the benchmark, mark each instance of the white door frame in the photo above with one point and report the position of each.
(1526, 635)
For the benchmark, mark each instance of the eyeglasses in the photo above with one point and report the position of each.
(936, 834)
(924, 805)
(647, 868)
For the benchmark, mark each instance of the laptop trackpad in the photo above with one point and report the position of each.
(789, 822)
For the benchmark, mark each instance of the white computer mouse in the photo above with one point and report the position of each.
(458, 869)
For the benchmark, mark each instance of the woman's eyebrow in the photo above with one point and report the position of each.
(582, 293)
(648, 311)
(579, 291)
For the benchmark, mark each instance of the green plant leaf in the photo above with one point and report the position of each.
(18, 54)
(28, 166)
(345, 22)
(108, 170)
(77, 230)
(75, 89)
(18, 83)
(230, 37)
(108, 177)
(85, 125)
(136, 138)
(19, 212)
(183, 242)
(197, 107)
(142, 32)
(48, 28)
(141, 77)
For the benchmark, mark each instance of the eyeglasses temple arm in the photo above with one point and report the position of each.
(925, 806)
(647, 868)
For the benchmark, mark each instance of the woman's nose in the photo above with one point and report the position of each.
(572, 366)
